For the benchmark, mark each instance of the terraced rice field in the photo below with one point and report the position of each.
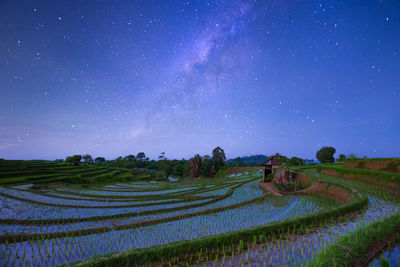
(222, 221)
(17, 172)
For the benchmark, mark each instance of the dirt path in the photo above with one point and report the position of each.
(269, 188)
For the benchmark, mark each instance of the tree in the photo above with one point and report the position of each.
(99, 160)
(325, 154)
(352, 156)
(130, 158)
(77, 159)
(207, 166)
(195, 166)
(162, 156)
(69, 160)
(87, 159)
(295, 161)
(218, 156)
(238, 162)
(165, 165)
(119, 162)
(342, 157)
(141, 156)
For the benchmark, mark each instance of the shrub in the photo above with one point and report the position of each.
(269, 177)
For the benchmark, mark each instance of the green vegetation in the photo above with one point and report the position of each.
(41, 172)
(383, 176)
(247, 161)
(231, 239)
(68, 213)
(257, 160)
(208, 166)
(325, 154)
(359, 247)
(269, 177)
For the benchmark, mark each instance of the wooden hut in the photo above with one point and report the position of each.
(282, 176)
(271, 165)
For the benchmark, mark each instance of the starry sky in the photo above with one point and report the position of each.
(112, 78)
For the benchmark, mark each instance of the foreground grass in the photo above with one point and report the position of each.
(360, 247)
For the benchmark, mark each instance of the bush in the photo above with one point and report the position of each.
(269, 177)
(74, 179)
(141, 172)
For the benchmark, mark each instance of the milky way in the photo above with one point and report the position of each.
(112, 78)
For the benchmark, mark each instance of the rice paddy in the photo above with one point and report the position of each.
(218, 221)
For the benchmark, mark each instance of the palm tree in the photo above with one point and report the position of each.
(195, 166)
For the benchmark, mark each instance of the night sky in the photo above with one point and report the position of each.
(112, 78)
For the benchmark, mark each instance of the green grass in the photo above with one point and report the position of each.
(382, 175)
(354, 249)
(17, 171)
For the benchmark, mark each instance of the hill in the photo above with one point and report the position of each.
(249, 159)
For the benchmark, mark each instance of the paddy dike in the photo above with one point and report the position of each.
(331, 191)
(383, 180)
(389, 165)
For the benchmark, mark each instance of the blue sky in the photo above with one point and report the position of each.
(112, 78)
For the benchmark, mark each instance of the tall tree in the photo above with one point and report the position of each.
(69, 160)
(164, 165)
(77, 159)
(162, 156)
(207, 166)
(325, 154)
(87, 159)
(218, 156)
(141, 158)
(129, 158)
(195, 166)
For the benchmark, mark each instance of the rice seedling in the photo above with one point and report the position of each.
(69, 224)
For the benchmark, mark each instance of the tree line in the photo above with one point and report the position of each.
(197, 166)
(325, 155)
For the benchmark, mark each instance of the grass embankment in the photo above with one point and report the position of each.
(330, 190)
(41, 172)
(362, 246)
(378, 164)
(387, 180)
(232, 240)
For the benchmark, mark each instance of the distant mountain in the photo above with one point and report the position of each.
(250, 159)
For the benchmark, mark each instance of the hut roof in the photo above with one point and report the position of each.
(272, 161)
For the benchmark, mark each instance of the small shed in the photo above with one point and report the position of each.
(271, 165)
(282, 176)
